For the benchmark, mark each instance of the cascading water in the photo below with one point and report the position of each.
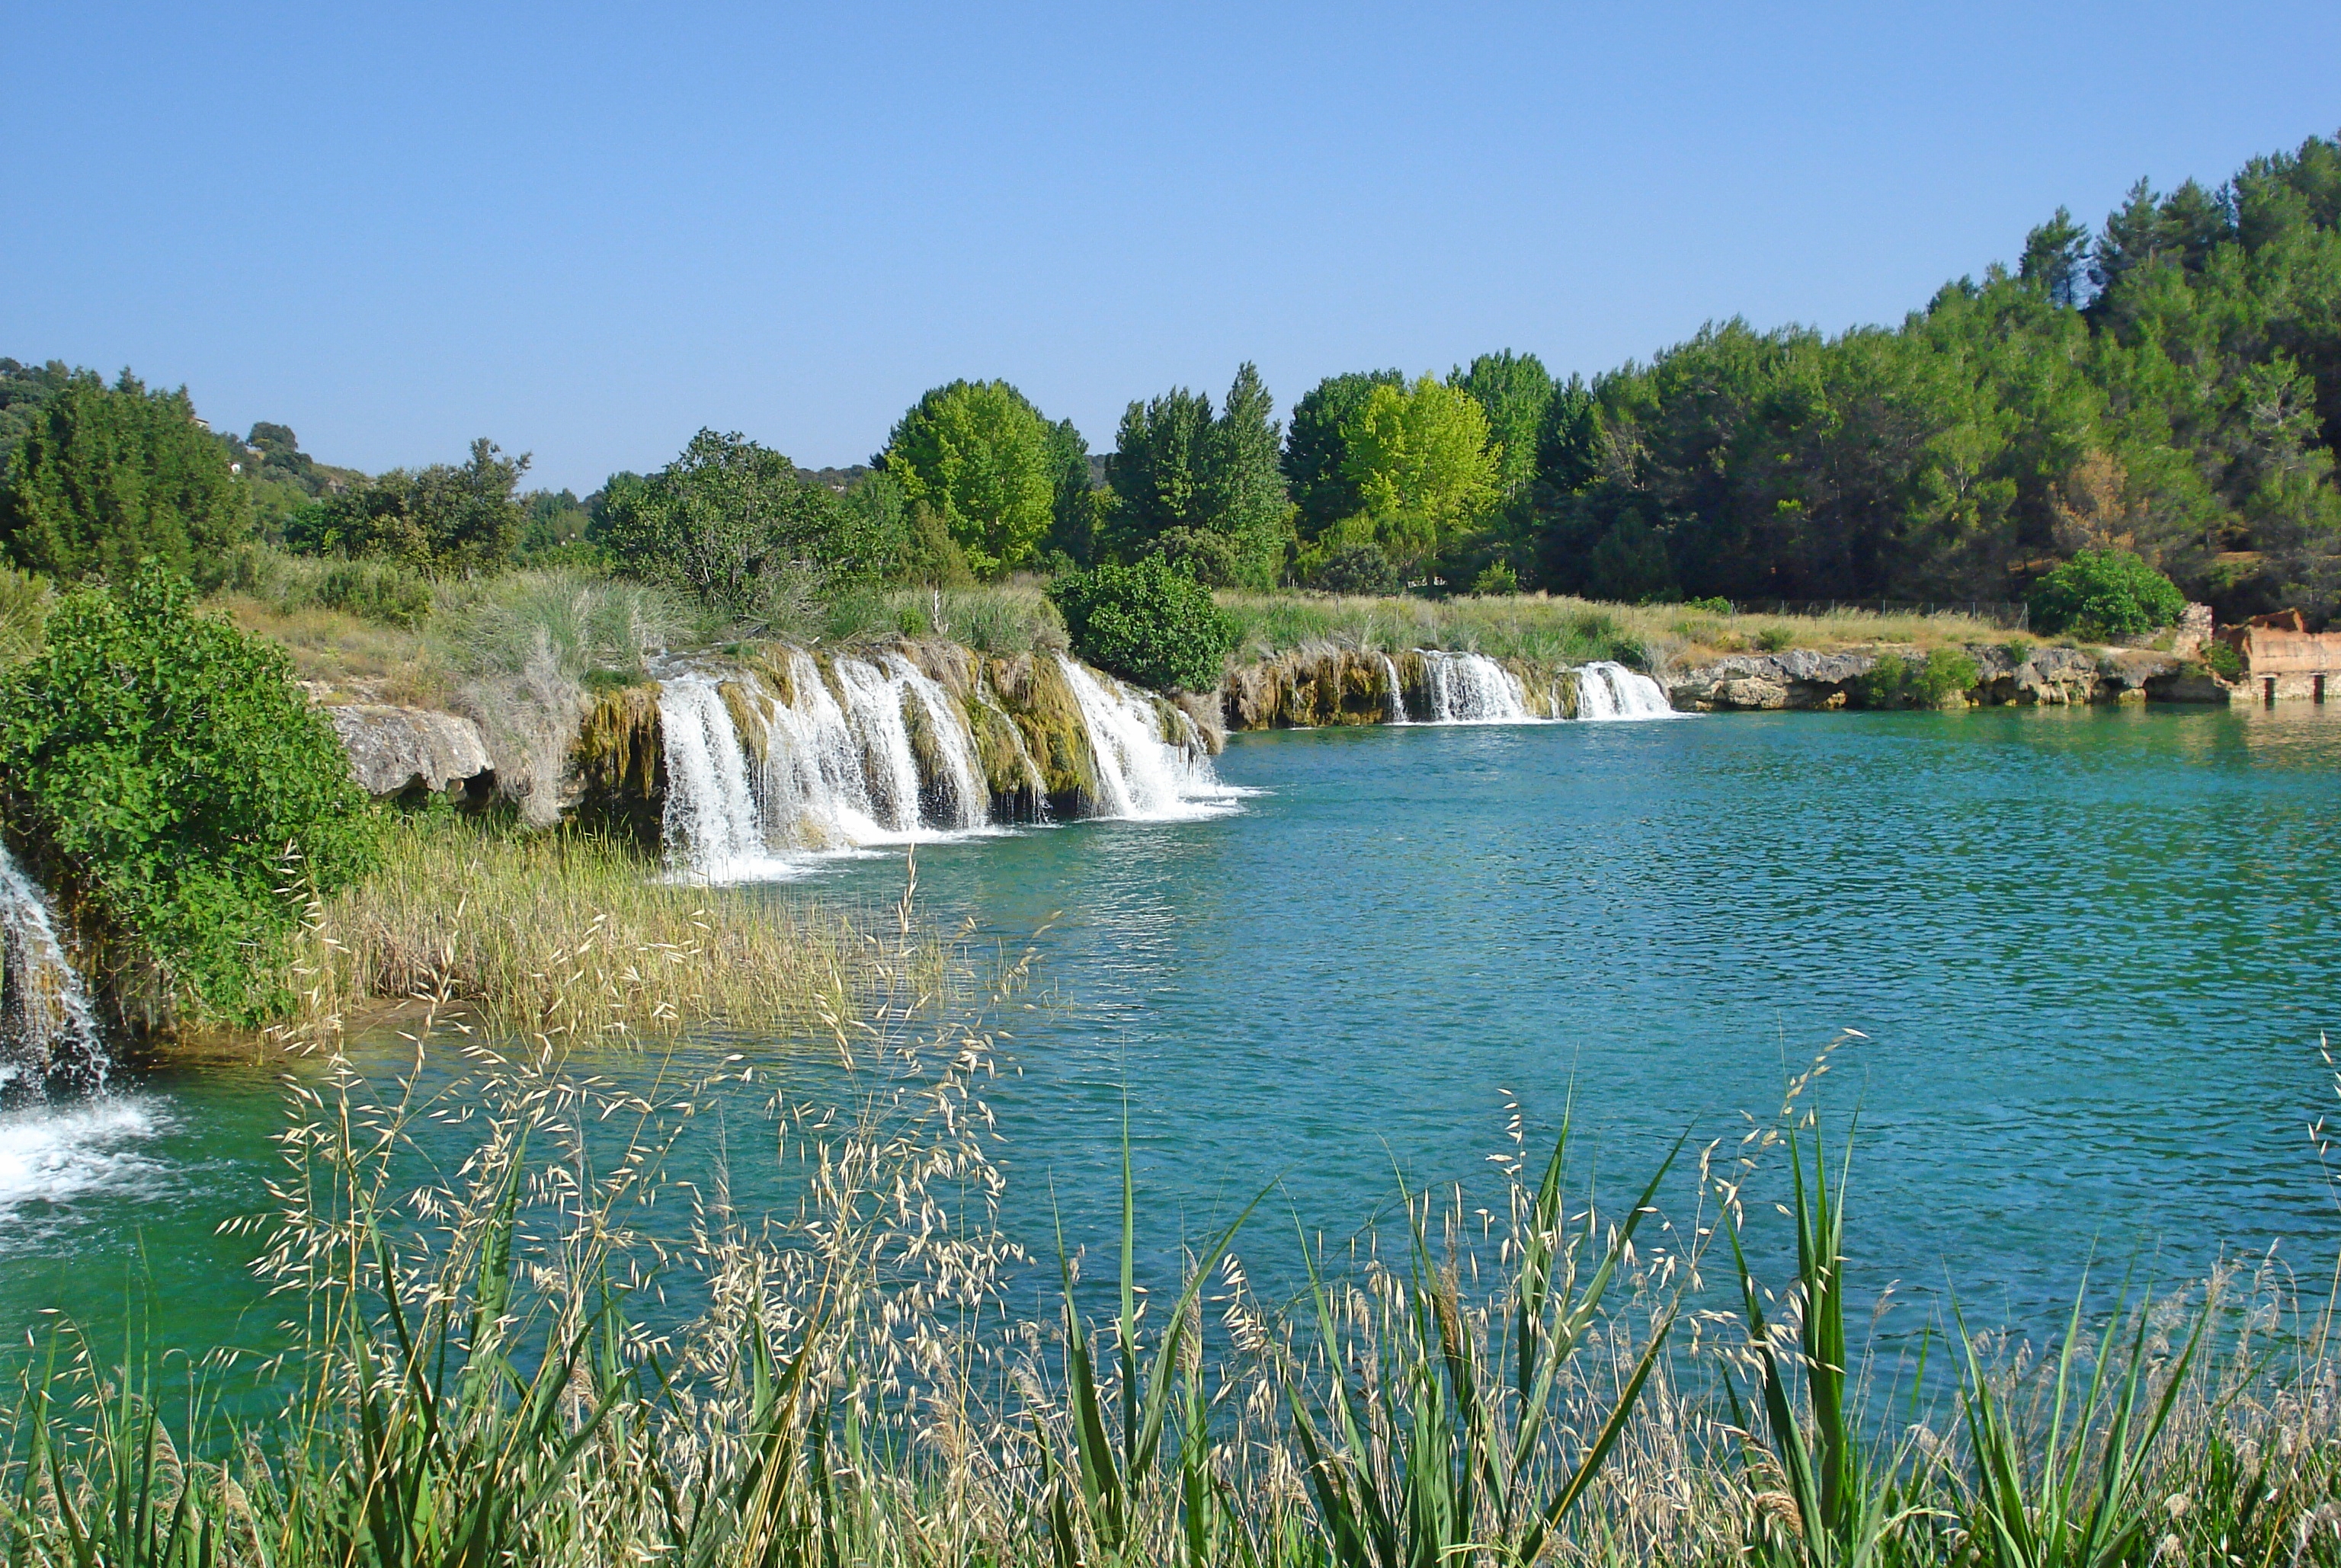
(48, 1026)
(1607, 691)
(1397, 691)
(873, 751)
(1472, 689)
(711, 825)
(1138, 774)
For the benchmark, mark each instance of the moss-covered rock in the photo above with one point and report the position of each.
(618, 767)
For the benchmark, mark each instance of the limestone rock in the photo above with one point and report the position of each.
(392, 750)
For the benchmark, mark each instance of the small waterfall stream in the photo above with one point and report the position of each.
(871, 750)
(1607, 691)
(1472, 689)
(1397, 691)
(48, 1025)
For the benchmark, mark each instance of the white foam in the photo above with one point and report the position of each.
(56, 1153)
(1472, 689)
(1141, 777)
(1609, 691)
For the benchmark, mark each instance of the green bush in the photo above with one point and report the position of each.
(1151, 623)
(164, 769)
(1356, 568)
(1775, 638)
(1708, 606)
(1898, 682)
(2224, 660)
(2105, 593)
(1497, 578)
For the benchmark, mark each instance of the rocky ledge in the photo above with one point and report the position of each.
(394, 750)
(2042, 676)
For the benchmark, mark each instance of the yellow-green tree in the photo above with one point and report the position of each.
(1423, 466)
(980, 455)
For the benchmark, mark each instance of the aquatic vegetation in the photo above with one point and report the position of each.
(524, 931)
(556, 1349)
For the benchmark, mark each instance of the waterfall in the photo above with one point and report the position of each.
(1397, 691)
(1608, 691)
(872, 751)
(1140, 775)
(48, 1026)
(711, 825)
(1472, 689)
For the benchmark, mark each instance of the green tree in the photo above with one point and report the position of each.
(1243, 482)
(1516, 392)
(1159, 468)
(726, 516)
(1203, 489)
(2057, 260)
(1149, 623)
(980, 455)
(104, 478)
(1073, 503)
(1316, 449)
(447, 520)
(166, 768)
(1420, 461)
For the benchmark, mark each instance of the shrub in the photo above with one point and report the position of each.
(1775, 638)
(1497, 577)
(163, 764)
(2105, 593)
(444, 519)
(1151, 623)
(1898, 682)
(2224, 660)
(1356, 568)
(1708, 606)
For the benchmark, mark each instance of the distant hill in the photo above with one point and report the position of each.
(840, 480)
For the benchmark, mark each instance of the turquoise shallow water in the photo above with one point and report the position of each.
(2091, 953)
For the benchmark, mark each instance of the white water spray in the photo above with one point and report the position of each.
(1141, 776)
(48, 1026)
(1397, 691)
(1607, 691)
(1472, 689)
(871, 751)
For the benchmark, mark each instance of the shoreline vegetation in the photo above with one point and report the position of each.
(576, 936)
(555, 1350)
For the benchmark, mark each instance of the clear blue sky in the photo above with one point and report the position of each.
(587, 231)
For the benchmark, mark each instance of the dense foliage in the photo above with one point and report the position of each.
(1201, 488)
(103, 477)
(980, 455)
(447, 518)
(727, 518)
(2106, 593)
(2172, 388)
(1150, 622)
(167, 764)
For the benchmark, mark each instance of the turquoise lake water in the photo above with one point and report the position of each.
(2090, 953)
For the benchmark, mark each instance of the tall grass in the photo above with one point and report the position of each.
(557, 1350)
(576, 934)
(1561, 630)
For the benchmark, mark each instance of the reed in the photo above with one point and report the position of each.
(555, 1350)
(578, 933)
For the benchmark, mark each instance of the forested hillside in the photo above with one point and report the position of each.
(2167, 385)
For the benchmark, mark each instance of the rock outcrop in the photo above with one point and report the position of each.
(396, 749)
(2035, 676)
